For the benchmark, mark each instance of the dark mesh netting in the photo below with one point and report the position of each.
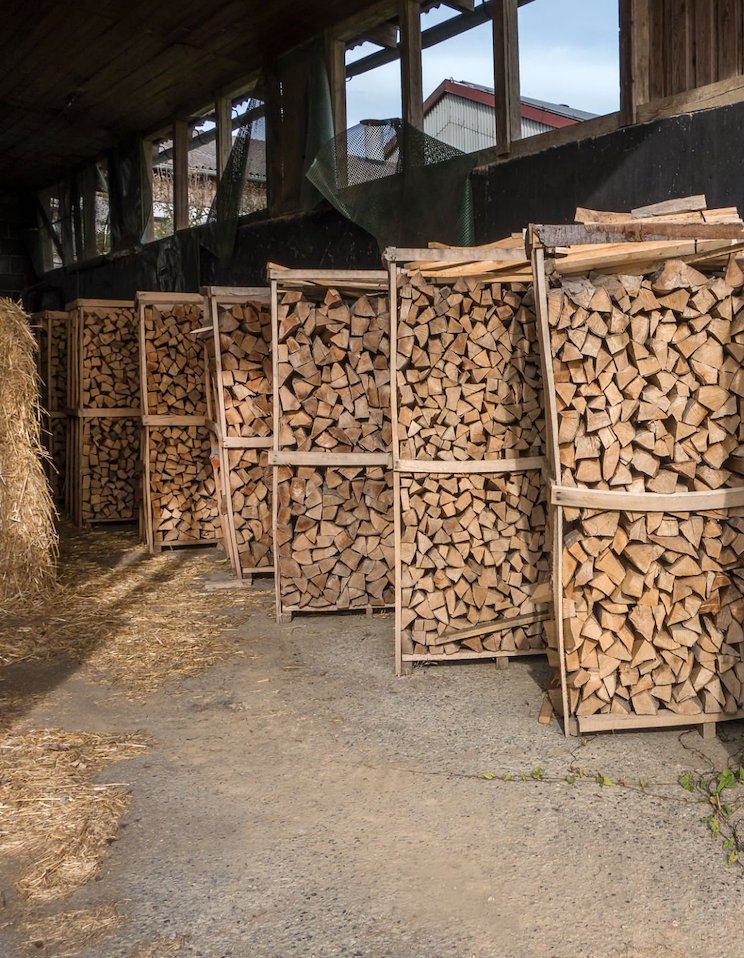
(404, 187)
(218, 234)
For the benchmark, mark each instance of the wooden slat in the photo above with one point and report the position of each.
(471, 466)
(647, 501)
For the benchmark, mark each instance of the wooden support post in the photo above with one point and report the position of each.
(336, 65)
(88, 213)
(506, 73)
(412, 84)
(180, 175)
(223, 113)
(274, 143)
(634, 57)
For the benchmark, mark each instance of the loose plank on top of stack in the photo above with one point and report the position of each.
(51, 328)
(332, 487)
(644, 389)
(237, 342)
(180, 507)
(103, 408)
(471, 559)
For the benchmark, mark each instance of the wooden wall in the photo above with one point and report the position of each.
(693, 43)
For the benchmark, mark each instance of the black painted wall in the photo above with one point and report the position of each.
(16, 218)
(323, 239)
(680, 156)
(695, 153)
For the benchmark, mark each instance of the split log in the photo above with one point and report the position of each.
(335, 538)
(334, 371)
(182, 488)
(469, 384)
(173, 360)
(473, 552)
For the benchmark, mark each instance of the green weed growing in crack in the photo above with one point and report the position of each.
(720, 792)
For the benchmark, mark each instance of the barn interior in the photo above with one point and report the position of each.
(194, 760)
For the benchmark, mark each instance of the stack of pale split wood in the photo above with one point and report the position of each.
(179, 489)
(237, 344)
(51, 335)
(470, 504)
(332, 489)
(103, 399)
(646, 394)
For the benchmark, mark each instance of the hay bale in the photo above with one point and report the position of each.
(28, 539)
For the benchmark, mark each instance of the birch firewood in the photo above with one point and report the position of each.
(334, 537)
(182, 485)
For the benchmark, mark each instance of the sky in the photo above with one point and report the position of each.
(568, 53)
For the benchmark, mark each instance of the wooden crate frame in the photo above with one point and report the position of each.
(53, 389)
(79, 313)
(542, 239)
(152, 421)
(488, 266)
(281, 279)
(214, 298)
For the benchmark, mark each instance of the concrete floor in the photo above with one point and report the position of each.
(302, 801)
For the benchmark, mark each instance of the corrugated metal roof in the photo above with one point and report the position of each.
(559, 109)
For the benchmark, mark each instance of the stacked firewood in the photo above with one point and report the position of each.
(473, 546)
(334, 372)
(173, 360)
(473, 551)
(109, 360)
(244, 392)
(182, 490)
(334, 531)
(245, 340)
(649, 395)
(469, 385)
(249, 479)
(110, 472)
(334, 537)
(104, 396)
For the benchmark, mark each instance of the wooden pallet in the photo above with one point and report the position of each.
(655, 670)
(237, 363)
(316, 473)
(437, 463)
(179, 505)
